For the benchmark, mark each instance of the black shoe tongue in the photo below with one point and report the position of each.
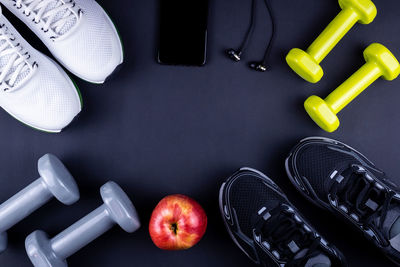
(319, 260)
(395, 229)
(340, 177)
(391, 227)
(342, 174)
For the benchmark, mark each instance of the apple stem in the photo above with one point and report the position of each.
(174, 228)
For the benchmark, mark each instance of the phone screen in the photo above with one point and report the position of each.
(183, 32)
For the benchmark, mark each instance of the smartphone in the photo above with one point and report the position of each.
(183, 32)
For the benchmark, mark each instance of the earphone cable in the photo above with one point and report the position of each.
(272, 38)
(236, 54)
(250, 30)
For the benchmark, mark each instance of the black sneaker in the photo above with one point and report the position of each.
(336, 177)
(266, 226)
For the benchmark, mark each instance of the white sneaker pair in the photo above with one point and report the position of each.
(80, 35)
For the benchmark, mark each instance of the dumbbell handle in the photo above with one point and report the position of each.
(353, 86)
(23, 204)
(332, 34)
(82, 232)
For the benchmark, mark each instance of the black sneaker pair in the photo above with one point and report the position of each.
(270, 230)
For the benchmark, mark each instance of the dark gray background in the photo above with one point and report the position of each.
(159, 130)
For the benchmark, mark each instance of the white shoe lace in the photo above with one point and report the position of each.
(57, 15)
(14, 65)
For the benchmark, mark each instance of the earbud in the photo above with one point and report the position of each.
(258, 66)
(233, 54)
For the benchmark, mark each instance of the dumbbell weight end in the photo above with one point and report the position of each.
(304, 65)
(321, 113)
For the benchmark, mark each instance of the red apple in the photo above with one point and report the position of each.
(177, 222)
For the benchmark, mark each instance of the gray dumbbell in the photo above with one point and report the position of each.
(117, 209)
(55, 181)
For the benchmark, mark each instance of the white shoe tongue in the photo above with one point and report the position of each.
(320, 260)
(69, 23)
(4, 61)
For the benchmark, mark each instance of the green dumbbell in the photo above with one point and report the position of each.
(307, 63)
(380, 63)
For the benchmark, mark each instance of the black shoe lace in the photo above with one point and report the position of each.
(364, 199)
(284, 229)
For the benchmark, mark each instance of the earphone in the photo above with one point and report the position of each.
(235, 54)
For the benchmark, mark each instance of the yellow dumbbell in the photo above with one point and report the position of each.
(306, 64)
(380, 63)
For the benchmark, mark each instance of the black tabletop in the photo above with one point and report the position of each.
(158, 130)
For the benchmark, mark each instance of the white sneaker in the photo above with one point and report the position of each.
(33, 88)
(78, 33)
